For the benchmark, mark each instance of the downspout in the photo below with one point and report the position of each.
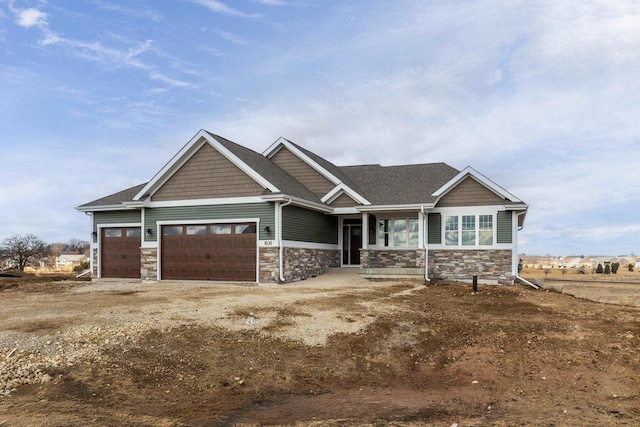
(523, 280)
(425, 238)
(280, 248)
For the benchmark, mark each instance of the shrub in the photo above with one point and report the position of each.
(599, 269)
(630, 267)
(614, 267)
(607, 269)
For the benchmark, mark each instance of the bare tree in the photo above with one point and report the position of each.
(22, 249)
(77, 246)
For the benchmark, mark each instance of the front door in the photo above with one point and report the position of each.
(351, 244)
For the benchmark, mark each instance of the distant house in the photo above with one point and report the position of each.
(223, 212)
(66, 260)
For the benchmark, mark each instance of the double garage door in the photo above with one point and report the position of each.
(224, 252)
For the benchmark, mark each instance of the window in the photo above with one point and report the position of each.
(398, 232)
(451, 230)
(468, 230)
(384, 231)
(485, 231)
(413, 232)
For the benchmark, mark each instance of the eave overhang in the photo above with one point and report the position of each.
(120, 207)
(297, 201)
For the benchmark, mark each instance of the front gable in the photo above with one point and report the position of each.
(471, 188)
(343, 201)
(204, 169)
(469, 192)
(302, 172)
(207, 174)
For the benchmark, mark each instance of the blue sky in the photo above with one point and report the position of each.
(541, 96)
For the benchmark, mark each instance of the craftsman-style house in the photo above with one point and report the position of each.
(222, 212)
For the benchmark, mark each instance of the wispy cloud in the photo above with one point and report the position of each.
(149, 14)
(169, 81)
(223, 9)
(271, 2)
(230, 37)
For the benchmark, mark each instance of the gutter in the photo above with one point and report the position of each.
(280, 248)
(520, 227)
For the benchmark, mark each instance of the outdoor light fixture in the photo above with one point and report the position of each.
(267, 229)
(149, 232)
(94, 234)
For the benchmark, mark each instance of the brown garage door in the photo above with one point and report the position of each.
(224, 252)
(120, 252)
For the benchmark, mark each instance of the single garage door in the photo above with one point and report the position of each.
(120, 252)
(223, 252)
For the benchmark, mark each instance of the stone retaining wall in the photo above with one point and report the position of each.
(412, 258)
(302, 263)
(488, 265)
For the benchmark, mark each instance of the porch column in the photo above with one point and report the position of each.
(365, 231)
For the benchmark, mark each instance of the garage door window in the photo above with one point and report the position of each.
(113, 232)
(246, 229)
(193, 230)
(133, 232)
(172, 231)
(220, 229)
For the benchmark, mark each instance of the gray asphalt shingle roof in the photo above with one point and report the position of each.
(116, 198)
(399, 185)
(380, 185)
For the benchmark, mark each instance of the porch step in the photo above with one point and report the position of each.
(392, 273)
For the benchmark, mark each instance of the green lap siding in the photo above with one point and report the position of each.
(434, 236)
(304, 225)
(505, 227)
(115, 217)
(264, 211)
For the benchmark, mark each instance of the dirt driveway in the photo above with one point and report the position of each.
(336, 350)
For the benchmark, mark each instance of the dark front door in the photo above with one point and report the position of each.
(351, 244)
(120, 252)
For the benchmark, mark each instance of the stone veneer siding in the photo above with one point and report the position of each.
(268, 264)
(149, 263)
(94, 256)
(302, 263)
(490, 265)
(388, 258)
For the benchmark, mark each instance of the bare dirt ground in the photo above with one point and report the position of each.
(336, 350)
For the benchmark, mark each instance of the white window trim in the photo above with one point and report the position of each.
(470, 210)
(379, 246)
(460, 230)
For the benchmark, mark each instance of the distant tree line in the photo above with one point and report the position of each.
(21, 250)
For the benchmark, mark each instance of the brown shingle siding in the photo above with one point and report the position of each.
(207, 175)
(470, 193)
(301, 171)
(343, 201)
